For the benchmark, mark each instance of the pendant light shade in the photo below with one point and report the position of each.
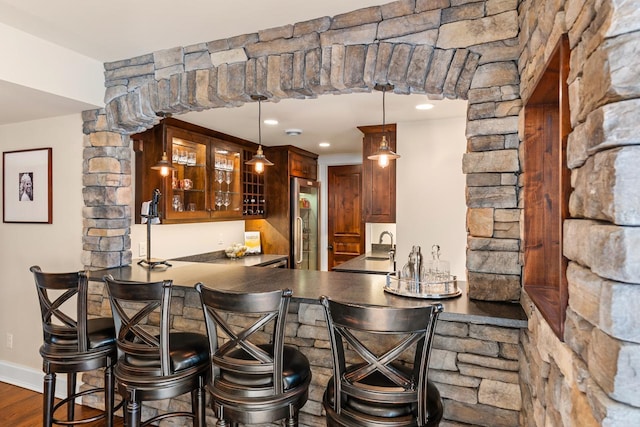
(384, 153)
(259, 161)
(164, 165)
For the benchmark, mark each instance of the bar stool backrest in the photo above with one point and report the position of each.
(63, 328)
(263, 312)
(141, 317)
(369, 342)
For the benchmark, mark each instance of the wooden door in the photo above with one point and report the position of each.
(345, 225)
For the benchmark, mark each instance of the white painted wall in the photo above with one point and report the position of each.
(39, 64)
(177, 240)
(431, 207)
(55, 247)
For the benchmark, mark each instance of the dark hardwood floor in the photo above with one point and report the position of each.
(20, 407)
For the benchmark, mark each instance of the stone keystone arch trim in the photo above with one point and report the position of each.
(336, 69)
(467, 51)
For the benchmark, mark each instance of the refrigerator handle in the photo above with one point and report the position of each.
(300, 242)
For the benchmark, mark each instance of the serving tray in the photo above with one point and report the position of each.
(426, 290)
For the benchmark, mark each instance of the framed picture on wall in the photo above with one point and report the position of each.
(27, 190)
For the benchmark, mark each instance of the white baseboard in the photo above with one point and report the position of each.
(29, 378)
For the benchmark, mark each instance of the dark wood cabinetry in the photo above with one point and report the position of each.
(210, 181)
(303, 165)
(378, 184)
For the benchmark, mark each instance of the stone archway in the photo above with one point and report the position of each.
(421, 46)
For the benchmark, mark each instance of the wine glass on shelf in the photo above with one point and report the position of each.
(227, 200)
(219, 200)
(227, 178)
(220, 177)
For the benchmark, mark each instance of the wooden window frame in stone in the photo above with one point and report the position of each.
(546, 189)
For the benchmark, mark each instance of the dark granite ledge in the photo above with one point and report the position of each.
(308, 286)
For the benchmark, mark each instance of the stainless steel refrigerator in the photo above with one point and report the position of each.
(305, 224)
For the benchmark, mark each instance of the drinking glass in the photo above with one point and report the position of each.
(227, 200)
(227, 178)
(183, 157)
(191, 159)
(176, 203)
(219, 200)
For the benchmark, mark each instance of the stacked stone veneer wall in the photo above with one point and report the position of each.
(445, 49)
(592, 377)
(474, 366)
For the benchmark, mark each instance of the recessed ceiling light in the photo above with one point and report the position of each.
(324, 144)
(293, 132)
(424, 106)
(270, 122)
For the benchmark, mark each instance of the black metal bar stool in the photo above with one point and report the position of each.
(154, 363)
(380, 366)
(256, 378)
(72, 343)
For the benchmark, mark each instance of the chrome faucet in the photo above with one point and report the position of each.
(390, 234)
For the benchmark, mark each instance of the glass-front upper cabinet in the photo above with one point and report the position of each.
(226, 161)
(187, 187)
(208, 180)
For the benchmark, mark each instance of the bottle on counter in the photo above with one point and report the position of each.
(413, 269)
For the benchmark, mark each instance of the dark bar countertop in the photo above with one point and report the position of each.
(308, 286)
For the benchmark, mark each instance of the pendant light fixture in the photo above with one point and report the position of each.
(164, 165)
(384, 153)
(259, 161)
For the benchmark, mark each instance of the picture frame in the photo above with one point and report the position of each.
(27, 186)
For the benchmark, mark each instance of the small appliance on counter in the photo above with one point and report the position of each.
(419, 279)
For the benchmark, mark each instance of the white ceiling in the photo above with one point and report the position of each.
(120, 29)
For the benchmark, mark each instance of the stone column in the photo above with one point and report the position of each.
(107, 194)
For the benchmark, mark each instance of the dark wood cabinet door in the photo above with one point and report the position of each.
(379, 184)
(302, 166)
(345, 226)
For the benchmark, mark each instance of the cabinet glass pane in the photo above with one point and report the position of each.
(227, 185)
(188, 196)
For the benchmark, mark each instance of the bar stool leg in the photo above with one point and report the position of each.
(71, 389)
(292, 419)
(109, 394)
(47, 395)
(198, 406)
(134, 414)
